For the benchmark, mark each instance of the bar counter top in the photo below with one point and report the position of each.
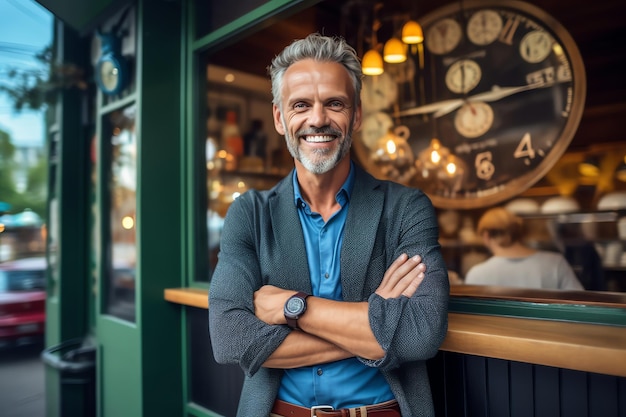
(578, 346)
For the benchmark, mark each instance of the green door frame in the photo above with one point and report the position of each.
(140, 372)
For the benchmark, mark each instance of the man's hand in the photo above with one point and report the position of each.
(402, 278)
(269, 303)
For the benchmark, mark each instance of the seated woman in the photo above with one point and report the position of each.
(514, 264)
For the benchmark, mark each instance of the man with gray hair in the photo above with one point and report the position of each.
(321, 293)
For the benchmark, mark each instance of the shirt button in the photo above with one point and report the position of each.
(326, 275)
(319, 371)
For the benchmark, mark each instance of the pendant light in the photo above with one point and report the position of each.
(412, 33)
(372, 63)
(394, 51)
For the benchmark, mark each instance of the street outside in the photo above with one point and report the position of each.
(22, 382)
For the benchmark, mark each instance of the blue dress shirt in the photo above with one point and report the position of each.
(345, 383)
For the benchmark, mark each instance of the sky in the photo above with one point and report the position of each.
(25, 30)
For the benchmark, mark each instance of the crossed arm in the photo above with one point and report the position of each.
(334, 330)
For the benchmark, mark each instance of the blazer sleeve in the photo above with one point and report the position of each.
(412, 329)
(237, 335)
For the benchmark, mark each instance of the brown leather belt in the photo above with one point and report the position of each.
(386, 409)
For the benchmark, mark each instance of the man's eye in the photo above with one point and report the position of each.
(336, 105)
(300, 106)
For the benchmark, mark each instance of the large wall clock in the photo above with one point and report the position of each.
(503, 93)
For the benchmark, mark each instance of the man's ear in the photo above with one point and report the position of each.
(278, 120)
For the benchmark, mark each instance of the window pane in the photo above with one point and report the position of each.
(122, 228)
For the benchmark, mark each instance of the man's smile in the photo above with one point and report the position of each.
(318, 138)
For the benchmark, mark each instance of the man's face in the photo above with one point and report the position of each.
(318, 114)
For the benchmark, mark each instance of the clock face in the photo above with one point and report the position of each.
(110, 74)
(374, 127)
(473, 119)
(504, 93)
(379, 92)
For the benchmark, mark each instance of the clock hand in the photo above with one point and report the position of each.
(432, 107)
(441, 108)
(496, 93)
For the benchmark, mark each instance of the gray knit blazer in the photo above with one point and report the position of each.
(262, 243)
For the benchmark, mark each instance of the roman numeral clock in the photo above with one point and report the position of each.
(500, 93)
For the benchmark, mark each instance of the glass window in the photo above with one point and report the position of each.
(120, 277)
(236, 103)
(242, 149)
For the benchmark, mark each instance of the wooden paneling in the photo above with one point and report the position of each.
(487, 387)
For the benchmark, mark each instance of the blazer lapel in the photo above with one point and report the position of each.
(360, 233)
(289, 236)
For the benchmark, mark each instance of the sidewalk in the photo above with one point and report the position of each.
(22, 382)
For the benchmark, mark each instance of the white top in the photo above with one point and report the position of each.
(540, 270)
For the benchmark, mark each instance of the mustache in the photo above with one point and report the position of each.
(324, 130)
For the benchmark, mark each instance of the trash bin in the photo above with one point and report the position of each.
(75, 361)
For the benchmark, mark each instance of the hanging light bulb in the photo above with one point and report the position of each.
(412, 33)
(372, 63)
(394, 51)
(435, 154)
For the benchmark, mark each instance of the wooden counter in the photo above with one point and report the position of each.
(579, 346)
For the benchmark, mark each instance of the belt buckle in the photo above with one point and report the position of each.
(317, 408)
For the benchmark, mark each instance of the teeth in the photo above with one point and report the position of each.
(318, 139)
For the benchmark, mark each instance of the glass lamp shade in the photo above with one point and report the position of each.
(372, 63)
(394, 51)
(589, 168)
(393, 149)
(412, 33)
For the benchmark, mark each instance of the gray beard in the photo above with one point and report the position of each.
(328, 158)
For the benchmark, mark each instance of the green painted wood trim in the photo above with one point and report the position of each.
(562, 312)
(160, 202)
(262, 13)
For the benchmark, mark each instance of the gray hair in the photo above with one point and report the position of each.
(319, 48)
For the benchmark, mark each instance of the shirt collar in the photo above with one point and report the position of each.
(344, 193)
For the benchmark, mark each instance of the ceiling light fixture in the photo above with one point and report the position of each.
(395, 49)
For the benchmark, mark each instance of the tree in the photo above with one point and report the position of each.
(35, 88)
(34, 197)
(8, 193)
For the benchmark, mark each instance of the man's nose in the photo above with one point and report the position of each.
(319, 116)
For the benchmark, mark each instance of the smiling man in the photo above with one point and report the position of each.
(321, 293)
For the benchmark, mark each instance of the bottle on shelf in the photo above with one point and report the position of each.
(232, 140)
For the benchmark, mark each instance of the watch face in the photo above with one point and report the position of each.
(500, 98)
(295, 306)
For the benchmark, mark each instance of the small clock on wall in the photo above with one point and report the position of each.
(112, 69)
(504, 91)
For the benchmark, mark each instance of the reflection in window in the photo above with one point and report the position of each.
(243, 150)
(122, 227)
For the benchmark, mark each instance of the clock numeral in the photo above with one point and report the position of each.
(542, 77)
(484, 166)
(508, 31)
(525, 148)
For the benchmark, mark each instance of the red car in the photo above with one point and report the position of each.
(22, 301)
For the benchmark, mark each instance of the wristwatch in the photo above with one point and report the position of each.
(295, 308)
